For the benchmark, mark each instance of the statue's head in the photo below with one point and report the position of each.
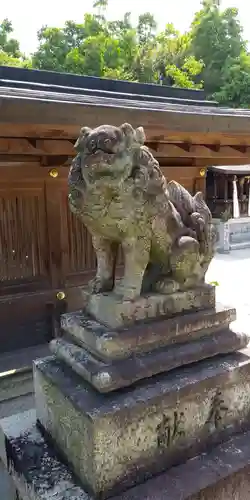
(108, 139)
(108, 151)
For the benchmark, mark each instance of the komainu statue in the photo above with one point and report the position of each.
(117, 189)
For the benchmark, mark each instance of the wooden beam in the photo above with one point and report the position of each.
(17, 146)
(59, 119)
(197, 151)
(56, 147)
(154, 134)
(19, 158)
(50, 150)
(202, 162)
(40, 147)
(19, 164)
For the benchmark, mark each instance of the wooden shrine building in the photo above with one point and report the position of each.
(228, 190)
(45, 252)
(228, 197)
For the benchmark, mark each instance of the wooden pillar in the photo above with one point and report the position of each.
(241, 188)
(215, 177)
(226, 188)
(248, 195)
(236, 209)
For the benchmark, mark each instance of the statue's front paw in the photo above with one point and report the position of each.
(167, 286)
(98, 285)
(126, 293)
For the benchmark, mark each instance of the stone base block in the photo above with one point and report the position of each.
(108, 344)
(115, 312)
(110, 376)
(35, 469)
(113, 441)
(38, 473)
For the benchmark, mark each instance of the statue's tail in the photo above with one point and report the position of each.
(181, 199)
(201, 207)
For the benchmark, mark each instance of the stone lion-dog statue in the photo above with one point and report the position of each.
(117, 189)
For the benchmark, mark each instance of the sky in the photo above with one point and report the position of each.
(28, 16)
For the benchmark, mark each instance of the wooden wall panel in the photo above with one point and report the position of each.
(23, 235)
(81, 255)
(44, 248)
(72, 255)
(24, 258)
(188, 176)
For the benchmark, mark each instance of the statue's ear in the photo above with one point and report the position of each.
(84, 133)
(128, 134)
(127, 130)
(140, 135)
(132, 134)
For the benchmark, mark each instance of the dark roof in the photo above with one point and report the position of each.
(231, 169)
(65, 83)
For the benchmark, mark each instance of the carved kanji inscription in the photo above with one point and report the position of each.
(217, 411)
(170, 429)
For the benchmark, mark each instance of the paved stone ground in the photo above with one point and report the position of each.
(231, 271)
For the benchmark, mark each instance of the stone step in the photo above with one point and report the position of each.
(222, 473)
(108, 344)
(113, 375)
(240, 246)
(114, 312)
(16, 377)
(13, 385)
(114, 441)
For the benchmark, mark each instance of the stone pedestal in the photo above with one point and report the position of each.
(114, 441)
(37, 472)
(132, 389)
(115, 312)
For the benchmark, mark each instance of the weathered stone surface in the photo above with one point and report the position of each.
(115, 312)
(221, 474)
(110, 376)
(114, 441)
(117, 189)
(32, 464)
(110, 344)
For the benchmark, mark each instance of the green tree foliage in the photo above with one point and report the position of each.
(10, 54)
(235, 88)
(116, 49)
(212, 53)
(8, 45)
(174, 61)
(216, 39)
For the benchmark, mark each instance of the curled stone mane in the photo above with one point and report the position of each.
(201, 207)
(147, 174)
(186, 204)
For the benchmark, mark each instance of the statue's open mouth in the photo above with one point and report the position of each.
(99, 160)
(100, 153)
(102, 164)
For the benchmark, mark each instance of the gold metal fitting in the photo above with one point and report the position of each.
(53, 173)
(60, 295)
(202, 172)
